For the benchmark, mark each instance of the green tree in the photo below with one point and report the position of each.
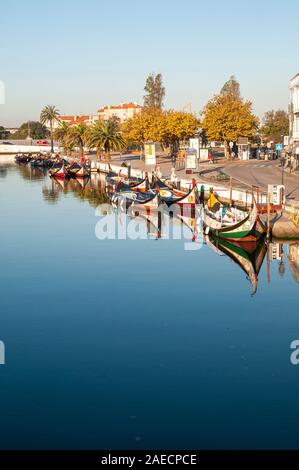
(4, 134)
(49, 114)
(61, 134)
(231, 88)
(78, 136)
(106, 135)
(275, 124)
(154, 91)
(35, 129)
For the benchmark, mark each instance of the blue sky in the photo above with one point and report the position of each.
(80, 55)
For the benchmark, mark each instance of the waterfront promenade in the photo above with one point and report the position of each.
(244, 174)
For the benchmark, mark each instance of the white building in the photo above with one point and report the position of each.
(122, 111)
(294, 111)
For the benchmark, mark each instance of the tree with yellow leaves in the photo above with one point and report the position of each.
(143, 127)
(177, 126)
(168, 128)
(227, 117)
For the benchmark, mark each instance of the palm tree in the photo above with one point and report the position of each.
(77, 136)
(49, 114)
(62, 131)
(61, 134)
(106, 135)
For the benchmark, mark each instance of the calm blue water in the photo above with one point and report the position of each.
(135, 344)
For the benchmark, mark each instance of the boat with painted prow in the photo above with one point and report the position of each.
(59, 170)
(128, 198)
(119, 180)
(231, 223)
(83, 172)
(172, 196)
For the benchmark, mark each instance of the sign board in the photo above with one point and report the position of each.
(203, 154)
(286, 140)
(150, 154)
(242, 141)
(231, 144)
(278, 147)
(277, 194)
(191, 159)
(194, 144)
(297, 151)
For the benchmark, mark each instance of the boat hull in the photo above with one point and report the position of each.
(251, 227)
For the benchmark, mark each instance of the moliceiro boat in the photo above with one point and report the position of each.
(128, 198)
(83, 172)
(231, 223)
(119, 180)
(59, 170)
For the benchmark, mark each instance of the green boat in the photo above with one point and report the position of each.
(230, 223)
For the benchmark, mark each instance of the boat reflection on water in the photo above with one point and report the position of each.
(90, 189)
(248, 255)
(165, 225)
(32, 173)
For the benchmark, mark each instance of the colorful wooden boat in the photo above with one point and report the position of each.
(59, 170)
(231, 223)
(119, 180)
(128, 198)
(73, 168)
(83, 172)
(172, 196)
(23, 158)
(158, 184)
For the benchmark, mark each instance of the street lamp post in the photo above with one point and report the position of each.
(282, 164)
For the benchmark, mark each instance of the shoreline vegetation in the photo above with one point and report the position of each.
(225, 118)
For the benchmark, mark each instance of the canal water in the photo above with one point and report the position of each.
(138, 343)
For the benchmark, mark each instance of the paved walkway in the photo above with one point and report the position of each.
(263, 173)
(165, 165)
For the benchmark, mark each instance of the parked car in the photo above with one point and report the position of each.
(42, 142)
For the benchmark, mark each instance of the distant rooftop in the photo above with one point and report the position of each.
(76, 118)
(120, 106)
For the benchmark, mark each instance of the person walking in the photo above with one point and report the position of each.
(202, 195)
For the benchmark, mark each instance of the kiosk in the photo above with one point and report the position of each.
(243, 148)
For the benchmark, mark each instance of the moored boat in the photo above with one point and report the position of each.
(118, 180)
(59, 170)
(23, 158)
(128, 198)
(83, 172)
(157, 183)
(231, 223)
